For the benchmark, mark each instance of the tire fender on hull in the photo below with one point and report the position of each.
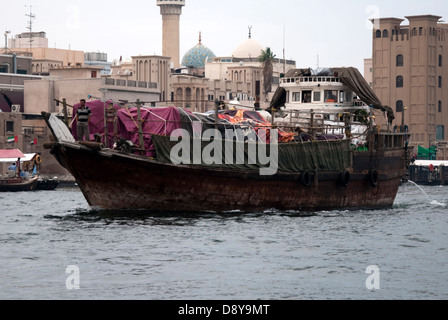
(344, 178)
(305, 178)
(373, 178)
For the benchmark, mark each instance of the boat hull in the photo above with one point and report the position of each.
(113, 180)
(18, 185)
(47, 184)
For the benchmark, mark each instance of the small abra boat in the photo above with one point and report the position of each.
(13, 181)
(18, 185)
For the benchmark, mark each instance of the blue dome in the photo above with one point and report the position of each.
(197, 56)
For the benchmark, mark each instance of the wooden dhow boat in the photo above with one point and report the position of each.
(321, 163)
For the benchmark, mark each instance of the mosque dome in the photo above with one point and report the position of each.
(250, 48)
(197, 56)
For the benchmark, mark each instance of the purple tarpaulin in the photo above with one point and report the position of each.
(160, 121)
(96, 120)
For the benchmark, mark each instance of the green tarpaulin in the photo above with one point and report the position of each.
(321, 156)
(427, 154)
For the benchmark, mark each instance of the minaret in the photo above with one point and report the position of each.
(171, 11)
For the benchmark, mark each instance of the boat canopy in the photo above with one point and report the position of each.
(427, 163)
(7, 154)
(27, 157)
(350, 77)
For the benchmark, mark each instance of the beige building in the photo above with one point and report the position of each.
(74, 84)
(410, 74)
(11, 126)
(27, 40)
(368, 71)
(44, 58)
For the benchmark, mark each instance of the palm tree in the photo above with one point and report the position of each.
(267, 57)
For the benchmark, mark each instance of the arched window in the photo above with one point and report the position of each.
(440, 60)
(378, 34)
(400, 82)
(400, 60)
(385, 34)
(440, 106)
(188, 96)
(399, 106)
(414, 31)
(440, 81)
(440, 133)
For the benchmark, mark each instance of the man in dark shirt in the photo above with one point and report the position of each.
(83, 120)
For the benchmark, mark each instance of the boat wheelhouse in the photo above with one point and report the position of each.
(320, 90)
(326, 102)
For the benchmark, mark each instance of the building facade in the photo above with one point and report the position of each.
(27, 40)
(410, 74)
(14, 71)
(368, 71)
(98, 59)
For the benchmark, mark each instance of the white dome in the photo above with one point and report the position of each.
(250, 48)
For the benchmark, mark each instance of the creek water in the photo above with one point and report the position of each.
(262, 255)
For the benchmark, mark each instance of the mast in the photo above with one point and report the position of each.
(30, 24)
(284, 50)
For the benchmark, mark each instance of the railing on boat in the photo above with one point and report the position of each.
(323, 124)
(309, 79)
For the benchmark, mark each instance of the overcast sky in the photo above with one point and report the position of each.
(339, 32)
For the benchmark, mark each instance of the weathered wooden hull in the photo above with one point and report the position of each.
(113, 180)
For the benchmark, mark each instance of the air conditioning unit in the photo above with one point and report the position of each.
(15, 108)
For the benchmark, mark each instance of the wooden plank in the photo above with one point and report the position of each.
(60, 130)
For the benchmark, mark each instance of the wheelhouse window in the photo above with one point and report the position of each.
(400, 82)
(348, 96)
(296, 97)
(306, 96)
(331, 95)
(400, 60)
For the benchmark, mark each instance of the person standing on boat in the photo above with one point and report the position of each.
(83, 115)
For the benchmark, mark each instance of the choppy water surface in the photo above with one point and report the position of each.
(268, 256)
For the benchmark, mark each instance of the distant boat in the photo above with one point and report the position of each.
(13, 181)
(429, 172)
(47, 184)
(330, 154)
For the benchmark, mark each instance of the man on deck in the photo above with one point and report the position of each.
(83, 115)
